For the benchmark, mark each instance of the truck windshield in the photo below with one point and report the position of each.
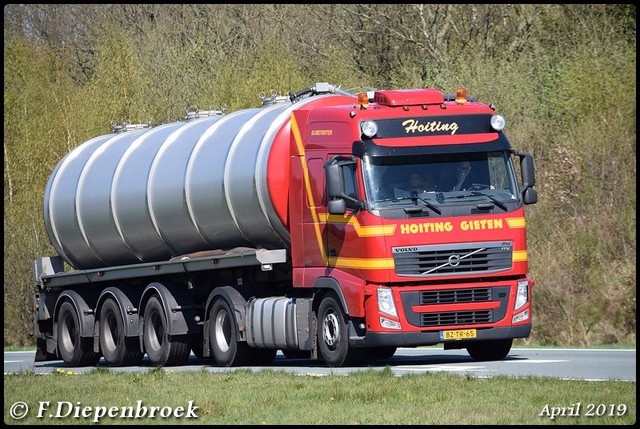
(440, 179)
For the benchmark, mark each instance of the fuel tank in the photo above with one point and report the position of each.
(148, 194)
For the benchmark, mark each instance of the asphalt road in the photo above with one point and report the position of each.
(570, 364)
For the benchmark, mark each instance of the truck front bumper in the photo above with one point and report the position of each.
(414, 339)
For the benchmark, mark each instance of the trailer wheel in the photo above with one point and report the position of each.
(333, 335)
(223, 341)
(490, 350)
(162, 349)
(73, 348)
(116, 348)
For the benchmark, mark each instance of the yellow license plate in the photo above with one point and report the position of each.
(461, 334)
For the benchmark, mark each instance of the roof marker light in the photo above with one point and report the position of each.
(497, 122)
(363, 100)
(369, 128)
(461, 95)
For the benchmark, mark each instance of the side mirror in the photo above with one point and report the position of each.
(527, 170)
(334, 185)
(530, 196)
(336, 170)
(337, 206)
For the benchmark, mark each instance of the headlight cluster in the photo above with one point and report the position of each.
(522, 297)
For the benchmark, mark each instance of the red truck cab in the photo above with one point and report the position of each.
(406, 205)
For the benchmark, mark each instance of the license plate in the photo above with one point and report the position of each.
(461, 334)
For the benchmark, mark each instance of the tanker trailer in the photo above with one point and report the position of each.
(236, 235)
(213, 182)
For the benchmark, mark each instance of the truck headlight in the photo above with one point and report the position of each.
(385, 302)
(522, 295)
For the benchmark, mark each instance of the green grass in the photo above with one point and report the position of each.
(275, 397)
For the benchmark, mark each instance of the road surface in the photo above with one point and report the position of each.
(570, 364)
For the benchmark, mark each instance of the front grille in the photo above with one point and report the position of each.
(453, 259)
(426, 318)
(454, 296)
(456, 318)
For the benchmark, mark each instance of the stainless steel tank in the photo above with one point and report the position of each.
(153, 193)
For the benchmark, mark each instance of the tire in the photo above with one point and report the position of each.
(490, 350)
(73, 348)
(161, 349)
(333, 335)
(223, 339)
(116, 348)
(297, 354)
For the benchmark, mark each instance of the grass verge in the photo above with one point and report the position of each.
(274, 397)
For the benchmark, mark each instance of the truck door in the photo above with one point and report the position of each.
(312, 241)
(343, 212)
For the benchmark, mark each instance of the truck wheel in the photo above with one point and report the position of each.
(116, 348)
(74, 349)
(333, 335)
(223, 341)
(490, 350)
(161, 349)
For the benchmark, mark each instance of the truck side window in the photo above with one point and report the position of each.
(349, 180)
(498, 177)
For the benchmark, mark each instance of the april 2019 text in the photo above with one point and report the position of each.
(584, 410)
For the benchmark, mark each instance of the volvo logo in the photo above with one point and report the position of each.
(404, 249)
(454, 260)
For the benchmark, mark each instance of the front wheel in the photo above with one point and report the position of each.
(490, 350)
(333, 333)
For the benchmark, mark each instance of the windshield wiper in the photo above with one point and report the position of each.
(482, 194)
(413, 198)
